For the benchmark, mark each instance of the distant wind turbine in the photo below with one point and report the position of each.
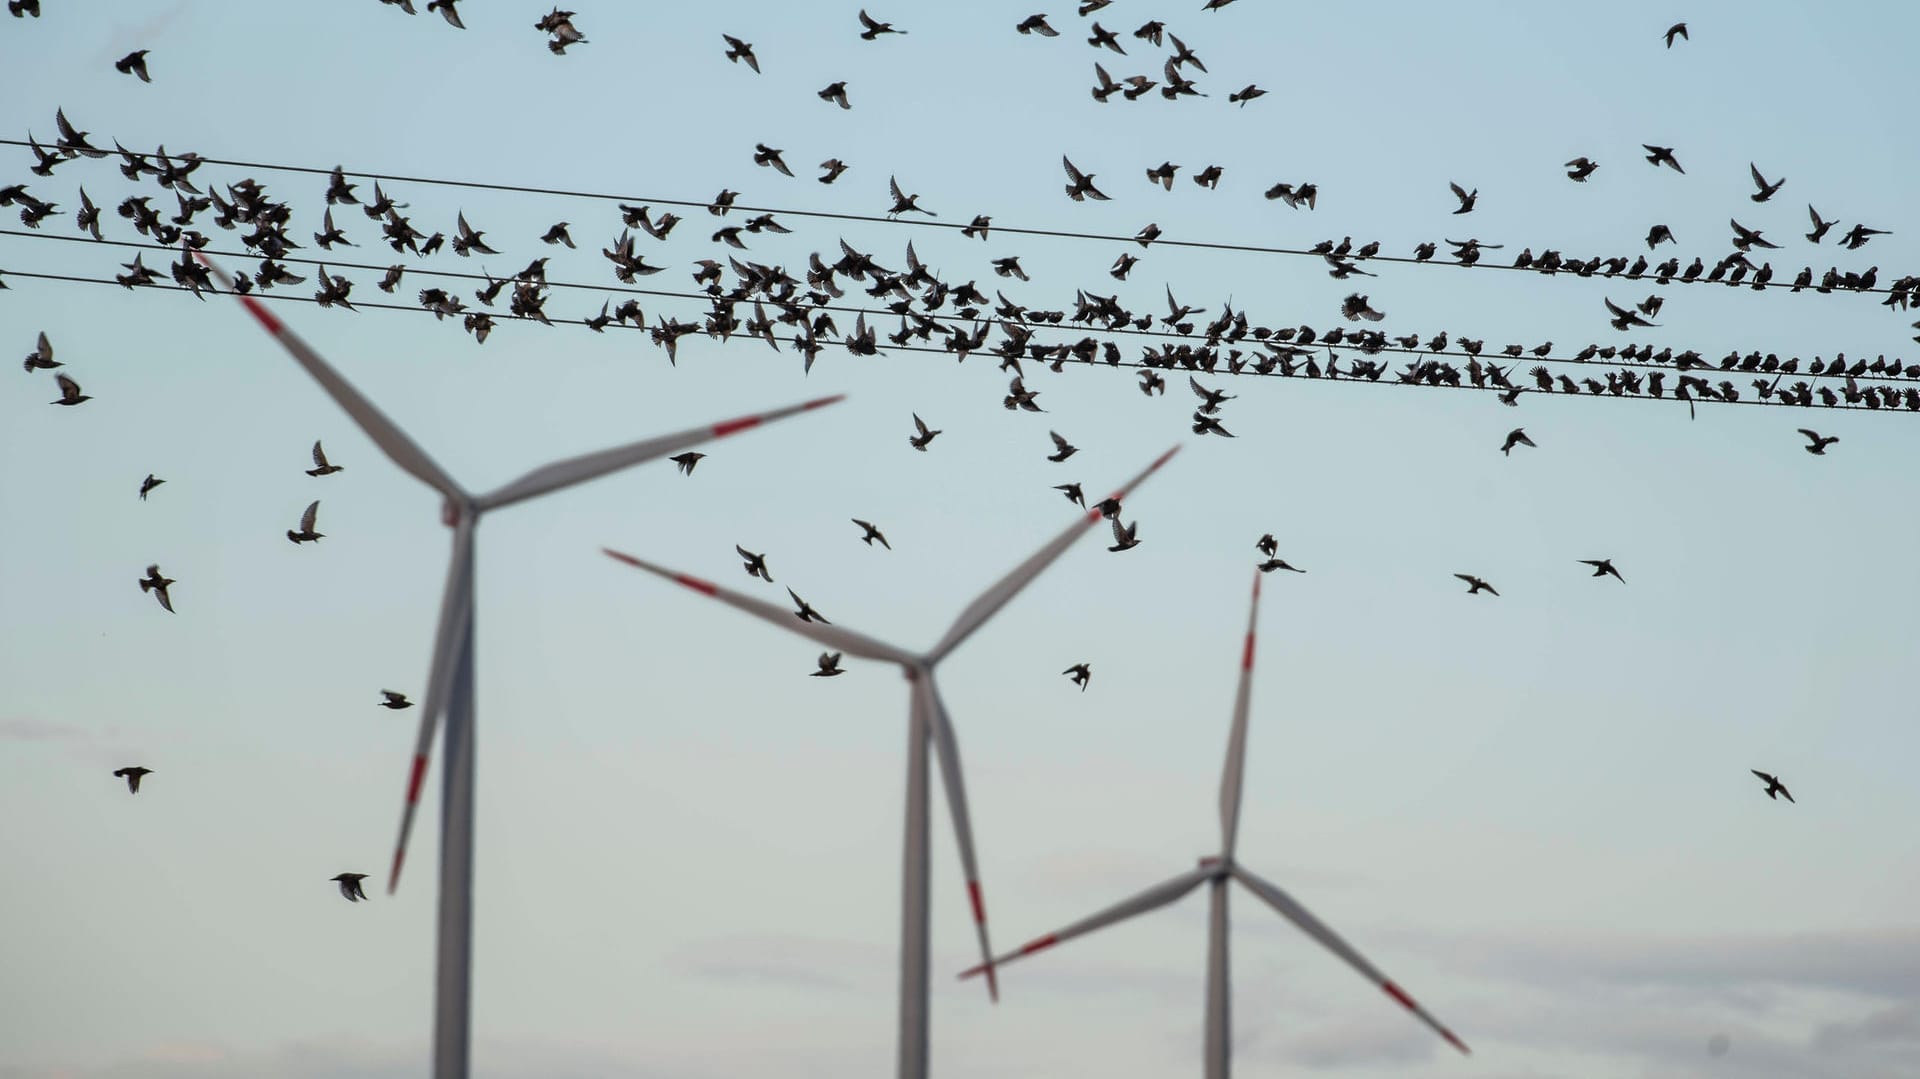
(927, 724)
(1215, 872)
(450, 676)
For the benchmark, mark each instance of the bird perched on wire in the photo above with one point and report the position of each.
(155, 583)
(1816, 443)
(686, 461)
(307, 522)
(1475, 584)
(1603, 567)
(869, 533)
(829, 663)
(132, 774)
(134, 63)
(1775, 788)
(1081, 673)
(350, 886)
(1516, 437)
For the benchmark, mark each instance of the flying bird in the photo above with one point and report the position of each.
(1267, 545)
(1603, 567)
(686, 461)
(1816, 443)
(1858, 235)
(445, 8)
(132, 775)
(767, 157)
(1775, 788)
(1081, 673)
(1467, 198)
(1062, 448)
(149, 484)
(806, 613)
(395, 701)
(1625, 318)
(835, 92)
(1125, 538)
(875, 29)
(870, 533)
(920, 441)
(1662, 155)
(1678, 29)
(1079, 186)
(157, 584)
(1073, 493)
(321, 466)
(557, 235)
(1819, 227)
(1659, 234)
(1475, 584)
(829, 663)
(41, 358)
(740, 52)
(1516, 437)
(902, 203)
(1036, 24)
(1242, 96)
(307, 521)
(756, 564)
(350, 882)
(1766, 189)
(1580, 168)
(134, 63)
(834, 167)
(1272, 564)
(69, 392)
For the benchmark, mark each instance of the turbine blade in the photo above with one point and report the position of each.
(1231, 778)
(832, 636)
(1009, 586)
(589, 466)
(1152, 899)
(946, 746)
(403, 451)
(1318, 930)
(456, 607)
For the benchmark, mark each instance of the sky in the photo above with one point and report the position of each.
(1533, 811)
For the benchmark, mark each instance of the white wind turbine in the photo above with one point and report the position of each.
(450, 675)
(927, 725)
(1215, 872)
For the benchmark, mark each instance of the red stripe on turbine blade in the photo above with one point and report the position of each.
(265, 317)
(979, 905)
(1162, 459)
(722, 430)
(1455, 1042)
(419, 773)
(1400, 995)
(1040, 945)
(1246, 657)
(621, 557)
(696, 584)
(823, 402)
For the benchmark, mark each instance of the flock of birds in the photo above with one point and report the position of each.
(749, 299)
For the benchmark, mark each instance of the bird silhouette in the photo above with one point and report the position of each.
(1062, 448)
(1516, 437)
(1819, 227)
(350, 882)
(1475, 584)
(755, 564)
(835, 92)
(149, 484)
(69, 392)
(1081, 673)
(903, 203)
(685, 461)
(829, 664)
(806, 613)
(834, 167)
(870, 533)
(132, 774)
(1775, 788)
(1073, 493)
(155, 583)
(1037, 24)
(395, 701)
(1079, 187)
(1767, 190)
(134, 63)
(41, 358)
(739, 51)
(1126, 538)
(875, 28)
(307, 522)
(1662, 155)
(1467, 198)
(1603, 567)
(1272, 564)
(1580, 168)
(321, 466)
(1816, 443)
(1678, 29)
(924, 438)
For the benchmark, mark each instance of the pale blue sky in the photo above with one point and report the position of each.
(1534, 811)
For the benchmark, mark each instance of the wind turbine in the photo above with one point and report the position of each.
(450, 675)
(1215, 872)
(927, 724)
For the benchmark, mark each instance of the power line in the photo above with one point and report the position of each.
(1129, 331)
(1245, 372)
(1202, 245)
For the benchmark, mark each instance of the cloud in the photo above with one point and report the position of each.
(1897, 1024)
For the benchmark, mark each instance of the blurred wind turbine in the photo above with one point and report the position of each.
(1215, 872)
(927, 724)
(450, 675)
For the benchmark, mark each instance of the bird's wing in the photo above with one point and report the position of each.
(45, 351)
(866, 20)
(921, 424)
(311, 517)
(1072, 173)
(1058, 442)
(863, 524)
(319, 456)
(744, 553)
(893, 184)
(1761, 774)
(1814, 436)
(1758, 180)
(1458, 192)
(68, 387)
(1618, 311)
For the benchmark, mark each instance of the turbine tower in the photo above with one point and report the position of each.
(1216, 872)
(450, 675)
(928, 725)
